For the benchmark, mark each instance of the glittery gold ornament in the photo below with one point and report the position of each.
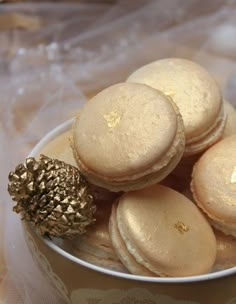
(53, 196)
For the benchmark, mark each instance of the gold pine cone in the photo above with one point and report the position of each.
(53, 196)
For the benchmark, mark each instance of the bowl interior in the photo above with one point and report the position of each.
(214, 275)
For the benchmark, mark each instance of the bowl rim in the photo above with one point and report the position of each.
(198, 278)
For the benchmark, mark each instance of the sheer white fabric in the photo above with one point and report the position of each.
(46, 75)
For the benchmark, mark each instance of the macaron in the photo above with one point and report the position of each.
(226, 251)
(196, 94)
(95, 246)
(230, 126)
(60, 148)
(127, 137)
(214, 185)
(157, 231)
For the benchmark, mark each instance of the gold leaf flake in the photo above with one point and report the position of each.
(112, 119)
(181, 227)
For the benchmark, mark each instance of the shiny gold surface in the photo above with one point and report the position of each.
(191, 87)
(121, 249)
(182, 228)
(53, 196)
(146, 221)
(112, 119)
(212, 184)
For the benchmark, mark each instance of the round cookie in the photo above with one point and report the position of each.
(127, 137)
(214, 184)
(226, 251)
(157, 231)
(230, 126)
(196, 94)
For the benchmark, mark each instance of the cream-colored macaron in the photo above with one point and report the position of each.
(230, 126)
(127, 137)
(214, 184)
(226, 251)
(60, 148)
(196, 94)
(95, 246)
(157, 231)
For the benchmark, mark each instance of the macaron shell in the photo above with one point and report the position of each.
(166, 232)
(119, 246)
(226, 251)
(230, 126)
(124, 130)
(190, 86)
(214, 182)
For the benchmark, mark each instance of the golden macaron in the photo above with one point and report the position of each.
(127, 137)
(230, 126)
(196, 94)
(226, 251)
(157, 231)
(214, 184)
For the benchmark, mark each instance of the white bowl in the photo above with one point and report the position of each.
(84, 283)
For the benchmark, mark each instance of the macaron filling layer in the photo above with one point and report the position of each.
(135, 181)
(208, 138)
(121, 250)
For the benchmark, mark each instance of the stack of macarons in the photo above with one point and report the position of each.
(142, 143)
